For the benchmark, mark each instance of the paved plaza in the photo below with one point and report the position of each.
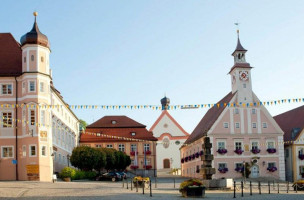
(115, 191)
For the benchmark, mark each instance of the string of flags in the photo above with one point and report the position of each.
(157, 107)
(98, 134)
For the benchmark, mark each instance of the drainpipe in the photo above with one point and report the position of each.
(16, 129)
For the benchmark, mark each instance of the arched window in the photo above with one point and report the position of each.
(239, 56)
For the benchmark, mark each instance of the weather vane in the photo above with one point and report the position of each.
(237, 25)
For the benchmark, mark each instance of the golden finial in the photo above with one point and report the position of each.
(35, 14)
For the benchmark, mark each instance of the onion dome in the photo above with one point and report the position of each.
(35, 36)
(165, 103)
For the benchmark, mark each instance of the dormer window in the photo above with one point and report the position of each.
(113, 122)
(133, 133)
(98, 134)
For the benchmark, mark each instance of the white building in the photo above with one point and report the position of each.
(171, 137)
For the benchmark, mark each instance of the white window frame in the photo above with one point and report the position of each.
(254, 125)
(237, 125)
(45, 151)
(275, 163)
(253, 111)
(236, 111)
(121, 147)
(146, 147)
(221, 141)
(238, 163)
(252, 145)
(30, 117)
(226, 123)
(264, 125)
(7, 84)
(110, 146)
(24, 150)
(29, 85)
(2, 152)
(5, 121)
(222, 163)
(30, 151)
(131, 147)
(42, 117)
(269, 141)
(41, 87)
(98, 145)
(242, 147)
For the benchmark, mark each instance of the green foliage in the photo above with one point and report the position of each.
(191, 182)
(101, 160)
(84, 175)
(67, 172)
(84, 158)
(247, 170)
(82, 124)
(110, 158)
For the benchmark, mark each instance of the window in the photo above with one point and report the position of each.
(133, 147)
(24, 59)
(7, 120)
(7, 152)
(32, 86)
(238, 145)
(222, 165)
(121, 147)
(109, 146)
(113, 122)
(254, 125)
(264, 125)
(239, 165)
(98, 135)
(286, 153)
(33, 151)
(33, 119)
(270, 145)
(244, 85)
(7, 89)
(147, 147)
(221, 145)
(226, 125)
(32, 57)
(236, 111)
(237, 125)
(177, 142)
(98, 145)
(133, 133)
(254, 145)
(55, 156)
(301, 169)
(42, 117)
(271, 164)
(253, 111)
(41, 87)
(24, 151)
(43, 150)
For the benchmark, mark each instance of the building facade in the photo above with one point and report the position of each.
(124, 134)
(33, 113)
(241, 131)
(292, 123)
(170, 137)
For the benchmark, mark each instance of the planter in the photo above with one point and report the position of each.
(147, 152)
(272, 169)
(134, 167)
(182, 160)
(194, 191)
(201, 153)
(148, 167)
(193, 156)
(238, 151)
(255, 151)
(271, 150)
(222, 151)
(132, 153)
(223, 170)
(239, 169)
(197, 155)
(68, 179)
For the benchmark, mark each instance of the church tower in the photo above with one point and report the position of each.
(241, 74)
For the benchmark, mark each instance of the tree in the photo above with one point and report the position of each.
(110, 158)
(120, 161)
(84, 158)
(82, 124)
(102, 160)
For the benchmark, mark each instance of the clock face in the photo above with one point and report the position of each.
(244, 75)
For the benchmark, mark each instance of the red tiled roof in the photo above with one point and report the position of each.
(290, 120)
(10, 56)
(121, 122)
(240, 65)
(208, 120)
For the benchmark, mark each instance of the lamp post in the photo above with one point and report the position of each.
(53, 155)
(244, 164)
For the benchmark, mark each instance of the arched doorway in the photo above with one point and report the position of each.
(166, 163)
(255, 172)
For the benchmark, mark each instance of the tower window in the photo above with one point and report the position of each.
(32, 57)
(42, 59)
(32, 86)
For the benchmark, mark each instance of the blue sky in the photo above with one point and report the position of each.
(133, 52)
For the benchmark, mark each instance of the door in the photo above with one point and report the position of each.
(255, 171)
(166, 163)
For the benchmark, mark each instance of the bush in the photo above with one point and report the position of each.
(191, 182)
(90, 175)
(67, 172)
(84, 175)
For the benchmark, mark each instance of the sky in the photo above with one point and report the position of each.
(134, 52)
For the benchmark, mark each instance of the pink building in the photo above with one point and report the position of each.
(34, 136)
(241, 131)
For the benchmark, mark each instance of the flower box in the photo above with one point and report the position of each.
(182, 160)
(148, 167)
(271, 150)
(193, 156)
(223, 170)
(192, 188)
(301, 156)
(197, 154)
(197, 170)
(134, 167)
(238, 151)
(222, 151)
(201, 153)
(189, 158)
(239, 169)
(147, 152)
(132, 153)
(255, 151)
(272, 169)
(186, 159)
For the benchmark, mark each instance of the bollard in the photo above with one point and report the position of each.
(123, 183)
(287, 186)
(242, 186)
(250, 185)
(127, 183)
(143, 187)
(259, 187)
(278, 188)
(296, 188)
(234, 189)
(273, 185)
(136, 185)
(174, 182)
(155, 182)
(150, 188)
(268, 187)
(131, 184)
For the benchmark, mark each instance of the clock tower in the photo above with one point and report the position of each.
(241, 74)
